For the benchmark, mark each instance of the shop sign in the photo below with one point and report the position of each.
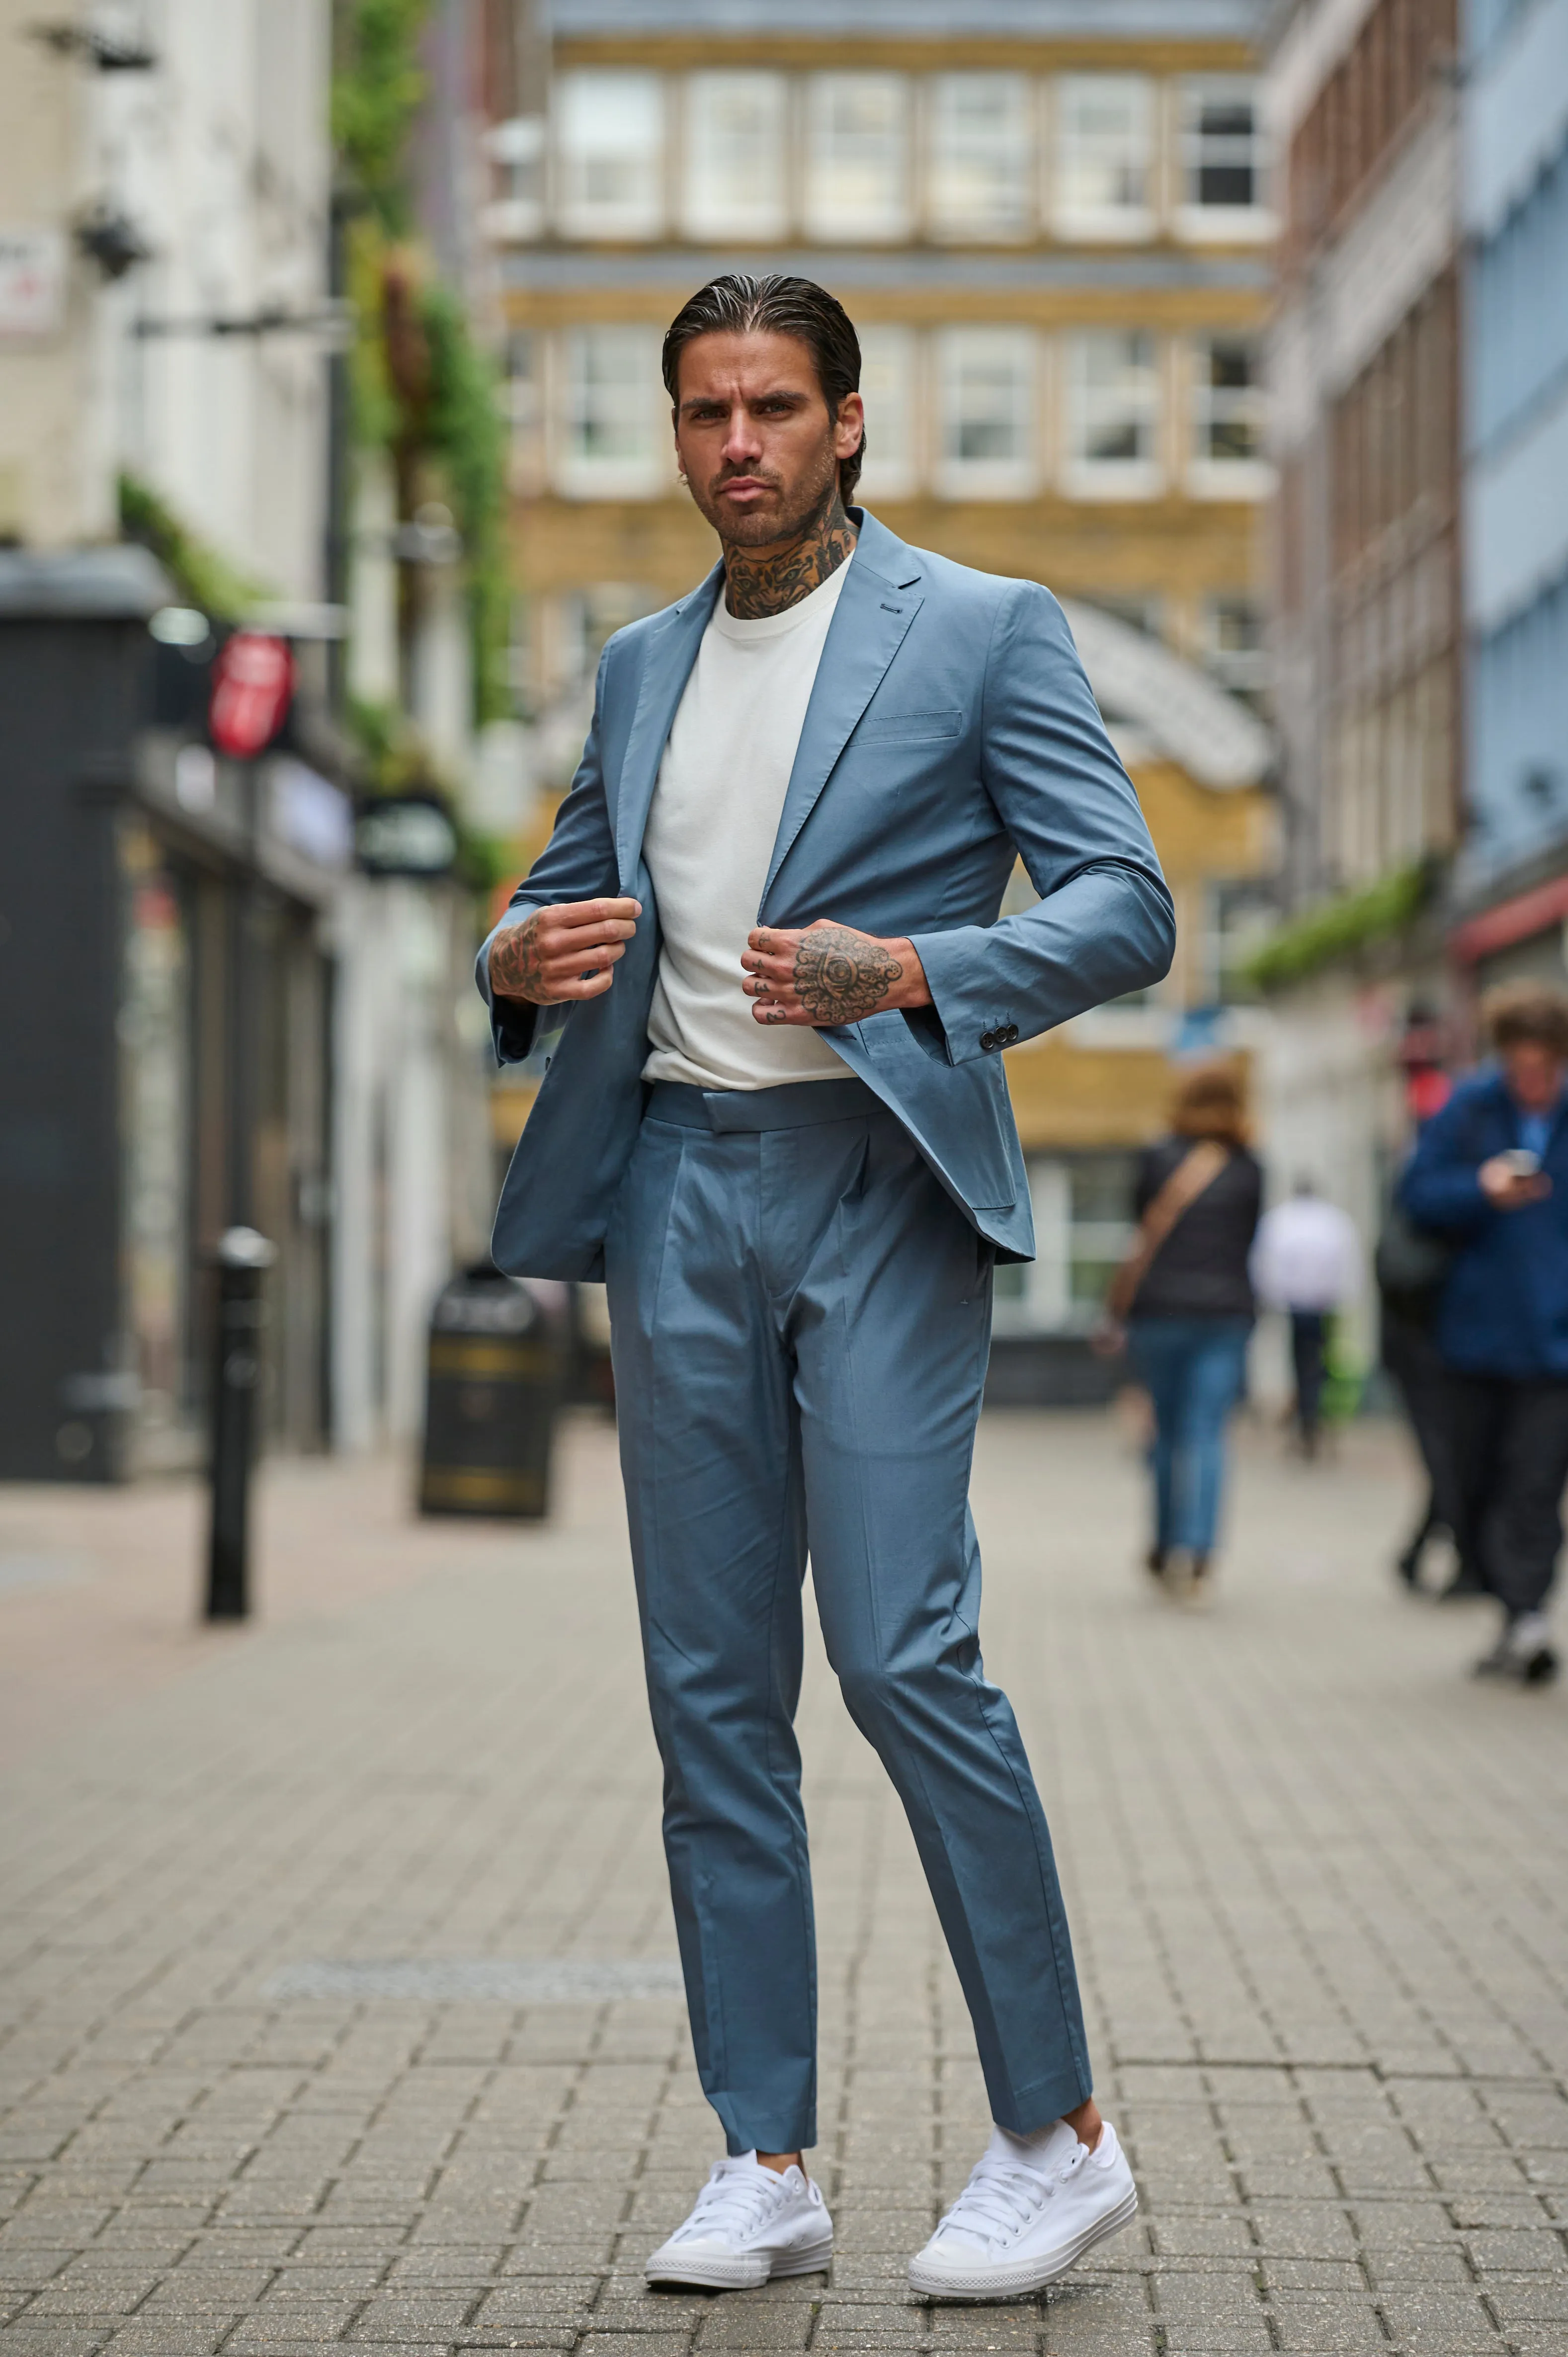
(32, 281)
(411, 835)
(253, 681)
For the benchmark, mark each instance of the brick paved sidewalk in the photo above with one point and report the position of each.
(1319, 1883)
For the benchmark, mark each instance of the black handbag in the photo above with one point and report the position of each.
(1412, 1265)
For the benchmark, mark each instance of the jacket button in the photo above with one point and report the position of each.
(987, 1041)
(1009, 1035)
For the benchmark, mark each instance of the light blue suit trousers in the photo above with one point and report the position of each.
(801, 1318)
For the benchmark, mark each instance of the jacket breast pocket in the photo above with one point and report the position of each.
(909, 728)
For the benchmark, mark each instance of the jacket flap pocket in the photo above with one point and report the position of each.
(909, 728)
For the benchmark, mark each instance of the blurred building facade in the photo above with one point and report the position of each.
(1512, 883)
(1364, 368)
(1050, 223)
(228, 1022)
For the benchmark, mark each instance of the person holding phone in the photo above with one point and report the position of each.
(1490, 1174)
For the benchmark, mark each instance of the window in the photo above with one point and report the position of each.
(735, 155)
(1083, 1205)
(887, 388)
(980, 174)
(1228, 460)
(614, 415)
(1222, 192)
(988, 441)
(1105, 155)
(857, 167)
(1235, 641)
(1113, 410)
(609, 147)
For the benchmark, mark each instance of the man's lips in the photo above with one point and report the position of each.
(744, 487)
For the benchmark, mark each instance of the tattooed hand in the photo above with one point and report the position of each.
(565, 952)
(829, 974)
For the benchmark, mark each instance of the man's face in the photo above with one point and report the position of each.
(754, 435)
(1534, 1075)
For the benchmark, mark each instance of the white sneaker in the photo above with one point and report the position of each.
(1031, 2208)
(750, 2224)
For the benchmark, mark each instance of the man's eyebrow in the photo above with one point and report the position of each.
(719, 401)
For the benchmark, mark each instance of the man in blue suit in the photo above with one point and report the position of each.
(774, 1119)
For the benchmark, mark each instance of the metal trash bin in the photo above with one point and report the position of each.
(493, 1386)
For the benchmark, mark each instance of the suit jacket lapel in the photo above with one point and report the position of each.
(869, 625)
(667, 662)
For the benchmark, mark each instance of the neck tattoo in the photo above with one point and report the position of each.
(769, 581)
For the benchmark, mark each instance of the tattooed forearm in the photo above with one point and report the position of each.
(517, 962)
(841, 975)
(759, 582)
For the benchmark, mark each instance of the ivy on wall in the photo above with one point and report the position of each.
(203, 577)
(422, 390)
(1340, 928)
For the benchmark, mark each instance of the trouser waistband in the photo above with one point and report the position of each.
(798, 1104)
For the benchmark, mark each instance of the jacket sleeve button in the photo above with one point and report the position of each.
(987, 1041)
(1009, 1035)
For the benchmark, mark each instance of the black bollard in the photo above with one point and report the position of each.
(243, 1258)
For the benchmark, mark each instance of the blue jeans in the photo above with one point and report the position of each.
(801, 1318)
(1192, 1368)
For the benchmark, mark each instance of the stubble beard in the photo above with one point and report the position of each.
(749, 529)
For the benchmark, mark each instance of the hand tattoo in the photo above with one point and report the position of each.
(517, 967)
(841, 975)
(756, 585)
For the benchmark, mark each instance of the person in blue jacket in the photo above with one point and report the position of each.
(1490, 1174)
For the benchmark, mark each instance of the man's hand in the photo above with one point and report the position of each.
(829, 974)
(1509, 1188)
(565, 953)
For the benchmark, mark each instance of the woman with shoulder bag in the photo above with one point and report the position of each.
(1186, 1300)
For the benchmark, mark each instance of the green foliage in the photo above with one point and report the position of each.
(434, 408)
(376, 93)
(393, 757)
(463, 429)
(1337, 929)
(203, 577)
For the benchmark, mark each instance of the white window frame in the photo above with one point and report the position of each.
(1101, 224)
(959, 478)
(1110, 478)
(889, 377)
(767, 218)
(1209, 478)
(824, 219)
(642, 474)
(952, 223)
(1220, 224)
(577, 214)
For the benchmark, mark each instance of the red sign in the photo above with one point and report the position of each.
(253, 681)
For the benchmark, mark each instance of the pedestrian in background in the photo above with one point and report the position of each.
(1306, 1261)
(1490, 1174)
(1184, 1291)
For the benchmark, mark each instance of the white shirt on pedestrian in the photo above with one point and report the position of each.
(709, 842)
(1307, 1256)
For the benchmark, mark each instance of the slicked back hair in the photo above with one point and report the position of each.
(737, 303)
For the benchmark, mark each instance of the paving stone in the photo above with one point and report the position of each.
(1314, 1877)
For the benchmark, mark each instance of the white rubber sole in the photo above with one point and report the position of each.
(1012, 2278)
(712, 2271)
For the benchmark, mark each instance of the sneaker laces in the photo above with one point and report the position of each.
(1004, 2195)
(736, 2198)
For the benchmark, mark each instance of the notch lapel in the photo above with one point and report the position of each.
(865, 633)
(672, 651)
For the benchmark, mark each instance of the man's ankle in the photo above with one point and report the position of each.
(1086, 2123)
(781, 2161)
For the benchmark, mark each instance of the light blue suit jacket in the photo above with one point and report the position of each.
(950, 728)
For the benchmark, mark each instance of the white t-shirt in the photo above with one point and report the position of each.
(1307, 1256)
(711, 831)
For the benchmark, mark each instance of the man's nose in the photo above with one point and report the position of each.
(742, 441)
